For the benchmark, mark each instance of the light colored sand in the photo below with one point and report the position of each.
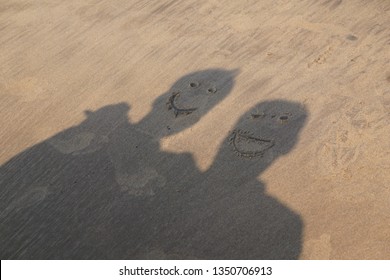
(60, 58)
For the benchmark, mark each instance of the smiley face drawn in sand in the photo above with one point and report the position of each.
(188, 100)
(271, 126)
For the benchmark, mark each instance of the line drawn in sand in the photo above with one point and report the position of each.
(247, 145)
(351, 138)
(178, 111)
(322, 58)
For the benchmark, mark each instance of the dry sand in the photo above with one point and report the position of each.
(94, 167)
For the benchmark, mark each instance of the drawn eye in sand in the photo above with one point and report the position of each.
(212, 90)
(194, 84)
(284, 118)
(245, 144)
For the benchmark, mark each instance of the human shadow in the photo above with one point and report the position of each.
(226, 212)
(105, 190)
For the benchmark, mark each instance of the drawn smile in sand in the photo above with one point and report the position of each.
(176, 110)
(247, 145)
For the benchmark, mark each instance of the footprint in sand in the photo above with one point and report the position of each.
(81, 143)
(33, 196)
(142, 183)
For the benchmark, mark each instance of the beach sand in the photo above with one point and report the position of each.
(287, 154)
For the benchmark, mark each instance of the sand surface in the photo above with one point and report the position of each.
(195, 129)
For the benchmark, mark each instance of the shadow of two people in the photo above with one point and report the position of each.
(105, 190)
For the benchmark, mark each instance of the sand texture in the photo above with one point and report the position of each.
(195, 129)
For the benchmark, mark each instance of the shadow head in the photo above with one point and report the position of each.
(269, 129)
(108, 116)
(193, 96)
